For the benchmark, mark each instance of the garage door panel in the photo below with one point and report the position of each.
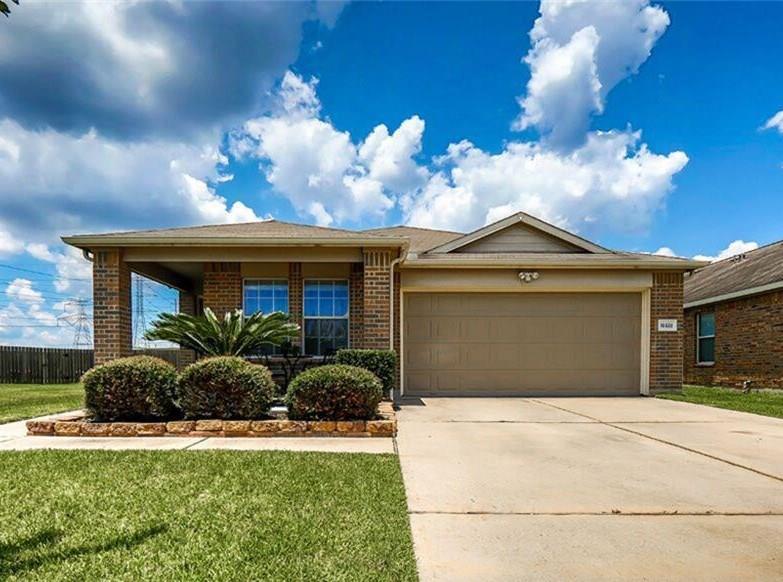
(524, 343)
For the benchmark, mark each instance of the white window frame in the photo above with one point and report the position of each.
(700, 337)
(305, 317)
(245, 280)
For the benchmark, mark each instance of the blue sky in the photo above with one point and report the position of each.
(235, 111)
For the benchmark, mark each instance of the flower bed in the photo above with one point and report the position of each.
(79, 425)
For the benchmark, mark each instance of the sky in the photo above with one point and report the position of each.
(644, 126)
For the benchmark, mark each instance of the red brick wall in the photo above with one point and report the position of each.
(748, 343)
(111, 306)
(187, 304)
(222, 287)
(356, 302)
(666, 347)
(376, 298)
(296, 298)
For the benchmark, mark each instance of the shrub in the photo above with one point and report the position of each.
(382, 363)
(335, 392)
(136, 388)
(225, 387)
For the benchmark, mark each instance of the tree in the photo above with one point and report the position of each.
(234, 335)
(5, 8)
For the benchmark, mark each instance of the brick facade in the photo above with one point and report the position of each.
(666, 347)
(187, 304)
(111, 306)
(356, 306)
(377, 332)
(296, 298)
(748, 343)
(222, 287)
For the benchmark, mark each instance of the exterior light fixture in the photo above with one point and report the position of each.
(528, 276)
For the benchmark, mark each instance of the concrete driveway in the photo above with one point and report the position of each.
(592, 488)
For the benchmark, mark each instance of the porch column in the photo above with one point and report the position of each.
(356, 303)
(111, 289)
(187, 305)
(222, 287)
(296, 299)
(377, 331)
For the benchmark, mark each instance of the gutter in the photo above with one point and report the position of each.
(736, 294)
(90, 241)
(549, 264)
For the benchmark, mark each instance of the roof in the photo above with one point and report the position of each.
(421, 239)
(425, 247)
(750, 273)
(269, 231)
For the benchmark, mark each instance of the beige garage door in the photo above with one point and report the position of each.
(522, 343)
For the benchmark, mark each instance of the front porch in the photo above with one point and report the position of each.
(340, 296)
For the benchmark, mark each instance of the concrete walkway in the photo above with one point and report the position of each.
(13, 437)
(592, 489)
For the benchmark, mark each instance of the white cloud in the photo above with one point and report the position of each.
(22, 290)
(775, 122)
(88, 182)
(580, 51)
(9, 244)
(612, 181)
(736, 247)
(74, 272)
(319, 168)
(665, 252)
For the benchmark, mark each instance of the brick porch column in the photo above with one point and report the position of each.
(666, 347)
(222, 287)
(296, 299)
(356, 305)
(111, 289)
(187, 305)
(376, 298)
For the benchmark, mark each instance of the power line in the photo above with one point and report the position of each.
(23, 270)
(80, 323)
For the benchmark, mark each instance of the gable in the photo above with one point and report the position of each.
(519, 238)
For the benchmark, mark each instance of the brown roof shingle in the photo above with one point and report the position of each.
(762, 266)
(421, 239)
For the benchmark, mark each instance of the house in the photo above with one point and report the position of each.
(519, 307)
(734, 321)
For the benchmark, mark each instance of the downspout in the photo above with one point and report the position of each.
(87, 255)
(393, 264)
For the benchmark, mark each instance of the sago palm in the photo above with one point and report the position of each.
(234, 335)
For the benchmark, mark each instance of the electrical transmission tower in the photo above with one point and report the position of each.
(139, 319)
(76, 316)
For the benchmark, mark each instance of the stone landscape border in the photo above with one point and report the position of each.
(76, 424)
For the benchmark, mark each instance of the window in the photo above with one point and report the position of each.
(705, 338)
(265, 295)
(325, 317)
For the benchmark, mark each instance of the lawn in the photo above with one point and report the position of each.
(18, 401)
(202, 515)
(768, 403)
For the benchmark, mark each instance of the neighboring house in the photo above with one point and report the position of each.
(734, 320)
(519, 307)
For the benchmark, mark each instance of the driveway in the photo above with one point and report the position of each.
(591, 488)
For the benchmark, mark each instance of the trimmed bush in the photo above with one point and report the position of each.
(225, 387)
(136, 388)
(335, 392)
(382, 363)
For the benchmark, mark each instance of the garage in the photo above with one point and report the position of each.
(522, 344)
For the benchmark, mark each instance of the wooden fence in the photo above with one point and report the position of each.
(26, 365)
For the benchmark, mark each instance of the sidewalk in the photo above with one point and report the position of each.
(13, 437)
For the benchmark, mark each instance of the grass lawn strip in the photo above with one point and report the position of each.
(206, 515)
(767, 403)
(20, 401)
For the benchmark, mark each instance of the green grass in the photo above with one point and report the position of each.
(202, 515)
(19, 401)
(768, 403)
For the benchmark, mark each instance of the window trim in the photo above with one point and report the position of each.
(305, 317)
(699, 337)
(273, 279)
